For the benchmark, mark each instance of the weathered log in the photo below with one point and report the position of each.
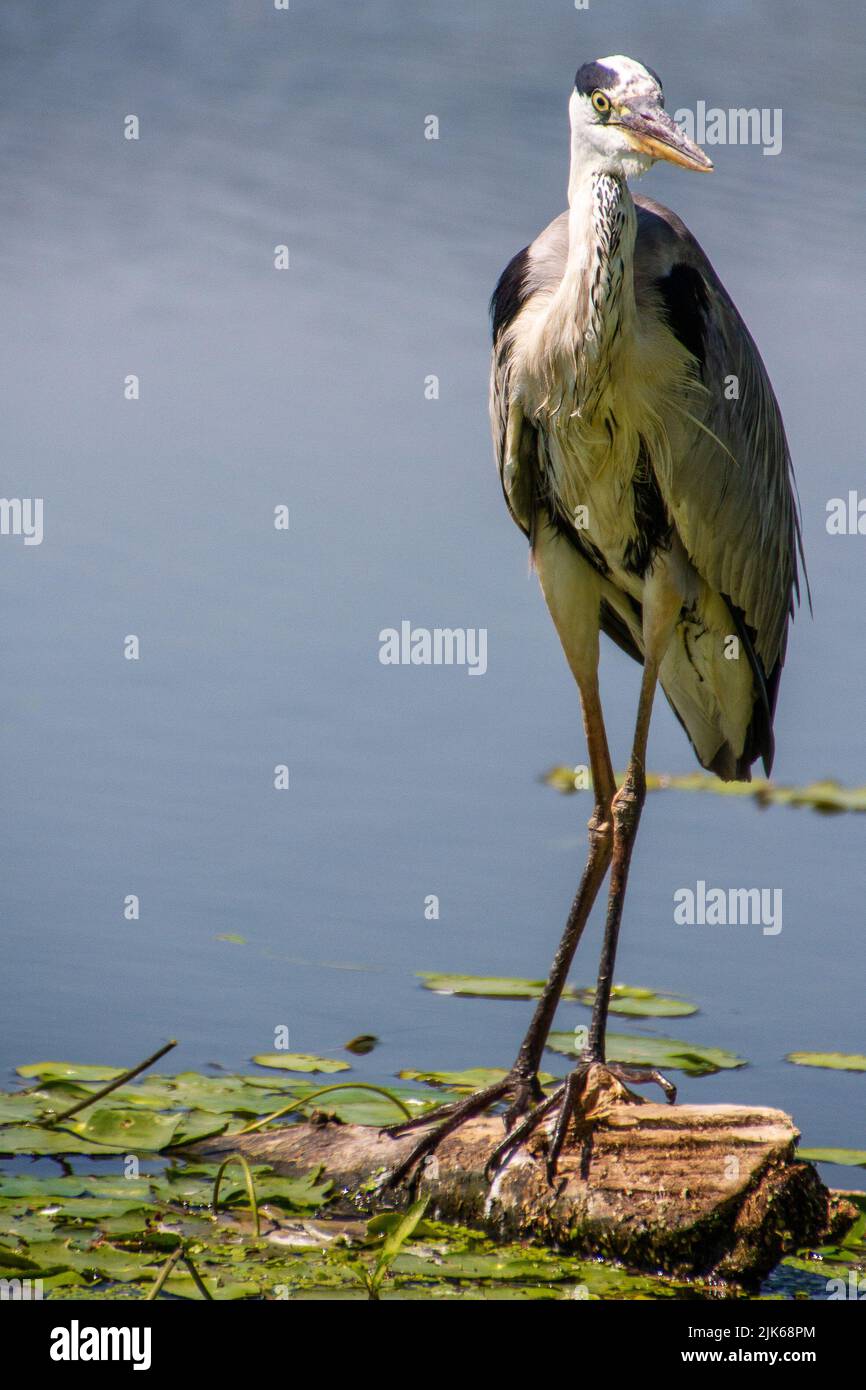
(689, 1190)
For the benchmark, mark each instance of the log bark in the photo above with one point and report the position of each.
(689, 1190)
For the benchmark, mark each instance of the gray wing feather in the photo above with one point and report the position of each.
(515, 441)
(731, 491)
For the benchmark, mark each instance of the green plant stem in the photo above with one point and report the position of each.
(197, 1279)
(303, 1100)
(164, 1273)
(250, 1186)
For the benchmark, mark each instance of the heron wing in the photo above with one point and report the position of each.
(536, 268)
(730, 491)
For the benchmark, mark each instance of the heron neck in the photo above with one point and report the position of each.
(601, 232)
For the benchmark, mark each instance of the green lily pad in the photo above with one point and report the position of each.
(31, 1139)
(636, 1002)
(134, 1129)
(297, 1194)
(486, 986)
(41, 1188)
(848, 1158)
(98, 1208)
(224, 1095)
(192, 1186)
(472, 1079)
(625, 999)
(232, 937)
(299, 1061)
(363, 1107)
(67, 1279)
(827, 796)
(665, 1053)
(16, 1109)
(193, 1086)
(69, 1071)
(833, 1061)
(184, 1286)
(484, 1266)
(13, 1262)
(198, 1124)
(101, 1260)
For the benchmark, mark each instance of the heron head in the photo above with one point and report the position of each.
(619, 124)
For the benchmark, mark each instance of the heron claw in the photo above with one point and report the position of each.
(568, 1099)
(523, 1091)
(526, 1095)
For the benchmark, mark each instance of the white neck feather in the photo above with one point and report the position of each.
(595, 299)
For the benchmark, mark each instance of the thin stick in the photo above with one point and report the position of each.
(197, 1279)
(164, 1273)
(112, 1086)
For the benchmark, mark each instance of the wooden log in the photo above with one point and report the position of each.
(689, 1190)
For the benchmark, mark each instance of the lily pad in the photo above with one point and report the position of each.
(69, 1071)
(472, 1079)
(132, 1129)
(636, 1002)
(102, 1260)
(16, 1109)
(41, 1188)
(184, 1286)
(486, 986)
(665, 1053)
(848, 1158)
(827, 796)
(12, 1261)
(31, 1139)
(232, 937)
(298, 1194)
(198, 1124)
(625, 999)
(364, 1107)
(97, 1208)
(299, 1061)
(833, 1061)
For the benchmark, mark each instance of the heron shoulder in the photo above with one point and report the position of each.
(538, 266)
(668, 260)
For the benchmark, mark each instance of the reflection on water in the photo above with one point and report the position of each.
(260, 647)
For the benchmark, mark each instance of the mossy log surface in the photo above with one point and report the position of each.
(689, 1190)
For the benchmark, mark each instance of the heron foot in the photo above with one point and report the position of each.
(522, 1090)
(586, 1095)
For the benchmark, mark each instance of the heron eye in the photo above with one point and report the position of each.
(601, 103)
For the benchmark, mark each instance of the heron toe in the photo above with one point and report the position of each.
(520, 1088)
(588, 1093)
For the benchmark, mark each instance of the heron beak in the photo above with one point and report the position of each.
(659, 136)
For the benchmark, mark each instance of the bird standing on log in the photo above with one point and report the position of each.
(659, 506)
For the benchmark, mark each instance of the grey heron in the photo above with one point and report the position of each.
(642, 452)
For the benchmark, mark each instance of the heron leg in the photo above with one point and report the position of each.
(521, 1086)
(663, 597)
(608, 1081)
(572, 593)
(597, 863)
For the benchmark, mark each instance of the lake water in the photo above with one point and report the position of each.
(260, 647)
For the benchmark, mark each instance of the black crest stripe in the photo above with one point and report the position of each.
(593, 75)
